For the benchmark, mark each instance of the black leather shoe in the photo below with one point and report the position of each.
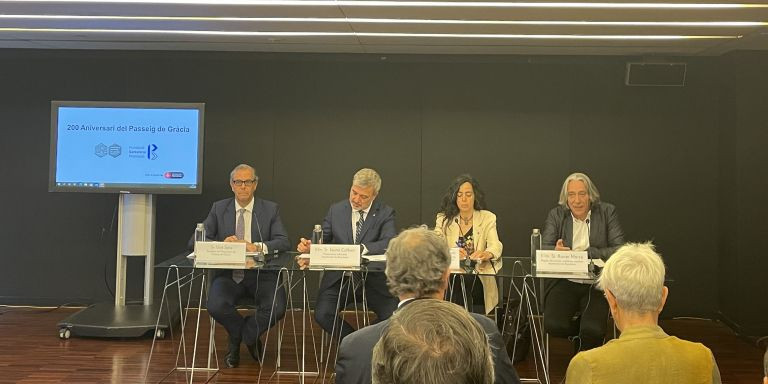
(256, 350)
(232, 359)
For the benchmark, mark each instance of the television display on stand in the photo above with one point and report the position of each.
(119, 147)
(136, 150)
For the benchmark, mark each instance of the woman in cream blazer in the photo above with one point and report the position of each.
(463, 211)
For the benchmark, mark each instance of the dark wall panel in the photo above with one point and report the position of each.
(742, 261)
(504, 123)
(307, 122)
(651, 150)
(49, 237)
(332, 119)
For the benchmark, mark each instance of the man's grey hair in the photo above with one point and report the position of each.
(594, 194)
(416, 263)
(635, 276)
(432, 342)
(367, 177)
(241, 167)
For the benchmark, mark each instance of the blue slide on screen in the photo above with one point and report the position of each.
(127, 146)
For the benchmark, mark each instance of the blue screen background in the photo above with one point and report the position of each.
(143, 157)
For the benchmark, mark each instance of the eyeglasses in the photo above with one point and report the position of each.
(240, 183)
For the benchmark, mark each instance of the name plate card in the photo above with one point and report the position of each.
(455, 256)
(334, 255)
(220, 254)
(562, 261)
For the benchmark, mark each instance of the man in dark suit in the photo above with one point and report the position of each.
(360, 220)
(255, 222)
(426, 340)
(581, 222)
(418, 262)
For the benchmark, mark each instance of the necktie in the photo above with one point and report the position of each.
(359, 226)
(240, 227)
(239, 274)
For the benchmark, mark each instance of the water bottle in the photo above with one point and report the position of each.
(199, 233)
(317, 234)
(535, 245)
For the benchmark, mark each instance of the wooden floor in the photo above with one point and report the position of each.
(31, 352)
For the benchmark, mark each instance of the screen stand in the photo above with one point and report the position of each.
(135, 238)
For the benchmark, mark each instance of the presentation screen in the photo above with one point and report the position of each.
(118, 147)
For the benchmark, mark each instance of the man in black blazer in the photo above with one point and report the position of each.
(418, 262)
(581, 222)
(359, 220)
(255, 222)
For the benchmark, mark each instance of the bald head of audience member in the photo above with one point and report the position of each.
(432, 341)
(418, 262)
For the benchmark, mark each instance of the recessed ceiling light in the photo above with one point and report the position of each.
(402, 3)
(341, 20)
(371, 34)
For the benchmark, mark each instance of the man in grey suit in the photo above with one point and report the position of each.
(359, 220)
(418, 262)
(255, 222)
(581, 222)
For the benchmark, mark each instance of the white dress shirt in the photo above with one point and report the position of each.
(581, 239)
(355, 219)
(248, 216)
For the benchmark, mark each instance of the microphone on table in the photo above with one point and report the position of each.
(261, 239)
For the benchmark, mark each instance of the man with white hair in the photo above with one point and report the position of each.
(418, 267)
(580, 222)
(633, 282)
(362, 220)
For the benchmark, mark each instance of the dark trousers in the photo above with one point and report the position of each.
(269, 300)
(564, 300)
(379, 300)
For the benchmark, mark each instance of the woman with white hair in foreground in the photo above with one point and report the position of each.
(633, 282)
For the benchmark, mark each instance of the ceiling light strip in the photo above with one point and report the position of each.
(371, 34)
(339, 20)
(402, 3)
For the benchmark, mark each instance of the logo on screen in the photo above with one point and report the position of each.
(100, 150)
(151, 152)
(115, 150)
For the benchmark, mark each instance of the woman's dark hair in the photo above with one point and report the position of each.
(448, 207)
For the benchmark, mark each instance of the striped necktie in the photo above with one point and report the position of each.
(359, 226)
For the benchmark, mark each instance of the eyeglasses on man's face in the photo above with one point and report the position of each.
(240, 183)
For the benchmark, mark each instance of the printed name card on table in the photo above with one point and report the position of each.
(455, 256)
(220, 254)
(334, 255)
(562, 261)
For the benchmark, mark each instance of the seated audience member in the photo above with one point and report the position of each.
(432, 342)
(633, 282)
(418, 263)
(465, 223)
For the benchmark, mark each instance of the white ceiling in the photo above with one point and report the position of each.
(167, 25)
